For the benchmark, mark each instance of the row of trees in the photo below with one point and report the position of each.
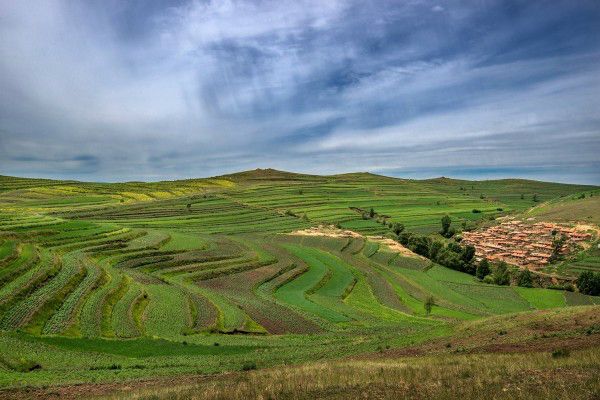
(452, 255)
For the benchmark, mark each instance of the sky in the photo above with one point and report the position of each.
(115, 90)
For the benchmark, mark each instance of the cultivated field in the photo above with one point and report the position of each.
(106, 283)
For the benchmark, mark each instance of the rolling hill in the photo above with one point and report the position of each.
(104, 282)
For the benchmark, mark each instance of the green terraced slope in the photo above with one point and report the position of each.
(211, 263)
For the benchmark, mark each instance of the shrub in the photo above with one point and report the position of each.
(476, 211)
(499, 209)
(566, 286)
(560, 353)
(489, 279)
(25, 365)
(249, 366)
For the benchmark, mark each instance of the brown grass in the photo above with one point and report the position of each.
(473, 376)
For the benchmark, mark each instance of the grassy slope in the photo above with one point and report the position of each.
(170, 259)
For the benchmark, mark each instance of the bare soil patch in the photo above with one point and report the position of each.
(333, 232)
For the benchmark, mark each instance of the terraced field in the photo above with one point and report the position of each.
(205, 275)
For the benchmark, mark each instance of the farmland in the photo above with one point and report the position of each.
(115, 282)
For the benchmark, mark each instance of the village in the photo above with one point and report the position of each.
(524, 244)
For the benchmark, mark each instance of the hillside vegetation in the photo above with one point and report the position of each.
(103, 282)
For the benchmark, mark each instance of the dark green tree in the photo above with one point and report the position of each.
(557, 245)
(446, 222)
(501, 274)
(434, 250)
(404, 237)
(455, 247)
(525, 279)
(429, 303)
(450, 259)
(468, 253)
(589, 283)
(371, 213)
(419, 244)
(483, 269)
(397, 228)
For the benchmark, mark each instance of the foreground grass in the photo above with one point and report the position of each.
(474, 376)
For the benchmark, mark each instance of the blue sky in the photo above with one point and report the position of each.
(118, 90)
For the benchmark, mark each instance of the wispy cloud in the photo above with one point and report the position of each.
(147, 90)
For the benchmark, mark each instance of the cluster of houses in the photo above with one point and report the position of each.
(523, 244)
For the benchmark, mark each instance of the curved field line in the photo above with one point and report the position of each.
(294, 292)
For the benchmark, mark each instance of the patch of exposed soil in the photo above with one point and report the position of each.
(394, 246)
(333, 232)
(328, 231)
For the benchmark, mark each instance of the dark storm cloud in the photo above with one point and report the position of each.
(117, 90)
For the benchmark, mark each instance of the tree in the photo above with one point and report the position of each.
(589, 283)
(189, 206)
(557, 245)
(525, 279)
(522, 196)
(535, 198)
(455, 247)
(450, 259)
(467, 254)
(483, 269)
(501, 274)
(397, 228)
(419, 244)
(371, 213)
(429, 303)
(434, 250)
(446, 221)
(404, 237)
